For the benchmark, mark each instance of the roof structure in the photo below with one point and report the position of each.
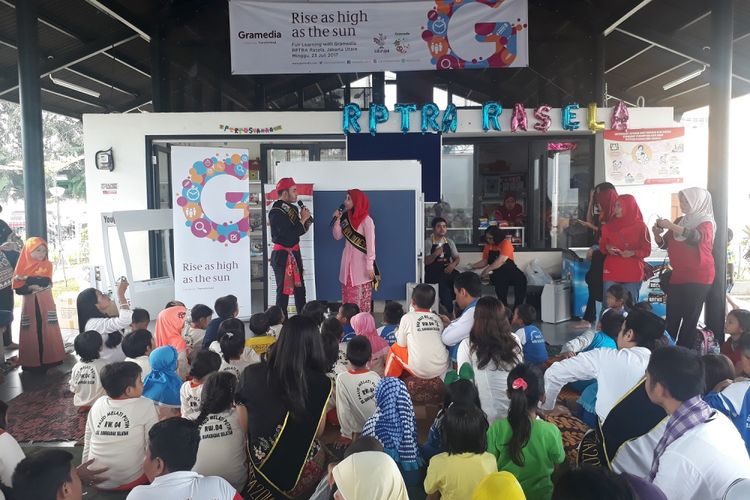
(101, 56)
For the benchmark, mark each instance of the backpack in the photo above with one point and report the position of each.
(705, 342)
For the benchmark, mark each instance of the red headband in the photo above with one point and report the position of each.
(285, 183)
(519, 383)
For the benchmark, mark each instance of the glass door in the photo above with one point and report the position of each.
(159, 196)
(562, 179)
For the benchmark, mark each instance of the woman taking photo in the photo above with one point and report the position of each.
(492, 351)
(41, 344)
(98, 312)
(359, 272)
(497, 264)
(286, 399)
(625, 242)
(689, 242)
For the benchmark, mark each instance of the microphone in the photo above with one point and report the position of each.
(341, 209)
(302, 206)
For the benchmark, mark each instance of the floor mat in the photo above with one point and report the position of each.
(46, 414)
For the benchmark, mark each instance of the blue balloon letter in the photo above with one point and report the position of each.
(569, 121)
(450, 118)
(378, 114)
(491, 112)
(405, 110)
(430, 112)
(352, 112)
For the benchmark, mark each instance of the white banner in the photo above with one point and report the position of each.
(644, 156)
(306, 246)
(280, 37)
(211, 222)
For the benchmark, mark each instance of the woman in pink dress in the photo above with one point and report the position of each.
(359, 273)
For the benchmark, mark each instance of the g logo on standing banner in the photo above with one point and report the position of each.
(230, 177)
(476, 41)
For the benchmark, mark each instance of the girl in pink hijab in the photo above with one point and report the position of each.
(364, 324)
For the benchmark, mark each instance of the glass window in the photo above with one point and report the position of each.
(457, 202)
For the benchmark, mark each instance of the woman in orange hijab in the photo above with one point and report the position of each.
(170, 325)
(41, 344)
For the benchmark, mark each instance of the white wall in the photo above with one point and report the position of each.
(126, 135)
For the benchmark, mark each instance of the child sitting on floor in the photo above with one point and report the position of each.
(346, 312)
(205, 363)
(392, 315)
(200, 317)
(355, 389)
(605, 336)
(331, 329)
(137, 346)
(117, 426)
(141, 319)
(223, 428)
(170, 454)
(275, 320)
(524, 445)
(419, 348)
(316, 311)
(162, 385)
(10, 454)
(736, 326)
(262, 339)
(455, 474)
(529, 336)
(364, 324)
(459, 390)
(226, 307)
(235, 356)
(619, 299)
(84, 378)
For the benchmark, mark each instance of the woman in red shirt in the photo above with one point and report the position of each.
(497, 263)
(625, 242)
(689, 241)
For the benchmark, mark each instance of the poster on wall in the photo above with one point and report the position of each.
(305, 193)
(211, 225)
(332, 37)
(644, 156)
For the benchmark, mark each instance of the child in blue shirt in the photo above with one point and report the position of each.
(346, 312)
(532, 340)
(391, 318)
(605, 336)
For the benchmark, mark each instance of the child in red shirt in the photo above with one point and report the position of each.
(736, 325)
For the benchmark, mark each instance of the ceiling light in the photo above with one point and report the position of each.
(683, 79)
(73, 86)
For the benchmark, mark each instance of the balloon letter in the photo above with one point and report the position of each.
(620, 117)
(594, 125)
(405, 110)
(430, 112)
(450, 118)
(518, 120)
(352, 112)
(569, 121)
(378, 114)
(541, 114)
(491, 112)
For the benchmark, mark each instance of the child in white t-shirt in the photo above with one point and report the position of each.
(10, 452)
(140, 319)
(419, 347)
(276, 319)
(223, 428)
(355, 389)
(137, 345)
(84, 378)
(200, 317)
(205, 363)
(170, 454)
(117, 427)
(231, 345)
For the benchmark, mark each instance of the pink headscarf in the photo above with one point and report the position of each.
(169, 326)
(364, 324)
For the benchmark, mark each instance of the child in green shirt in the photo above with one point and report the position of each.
(523, 445)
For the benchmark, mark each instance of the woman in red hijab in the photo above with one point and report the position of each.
(625, 242)
(41, 344)
(358, 272)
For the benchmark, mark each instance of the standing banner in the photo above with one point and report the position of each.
(644, 156)
(268, 37)
(211, 224)
(307, 248)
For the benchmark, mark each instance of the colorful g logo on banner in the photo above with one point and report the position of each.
(478, 39)
(225, 175)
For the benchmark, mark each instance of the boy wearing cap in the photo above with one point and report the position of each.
(288, 223)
